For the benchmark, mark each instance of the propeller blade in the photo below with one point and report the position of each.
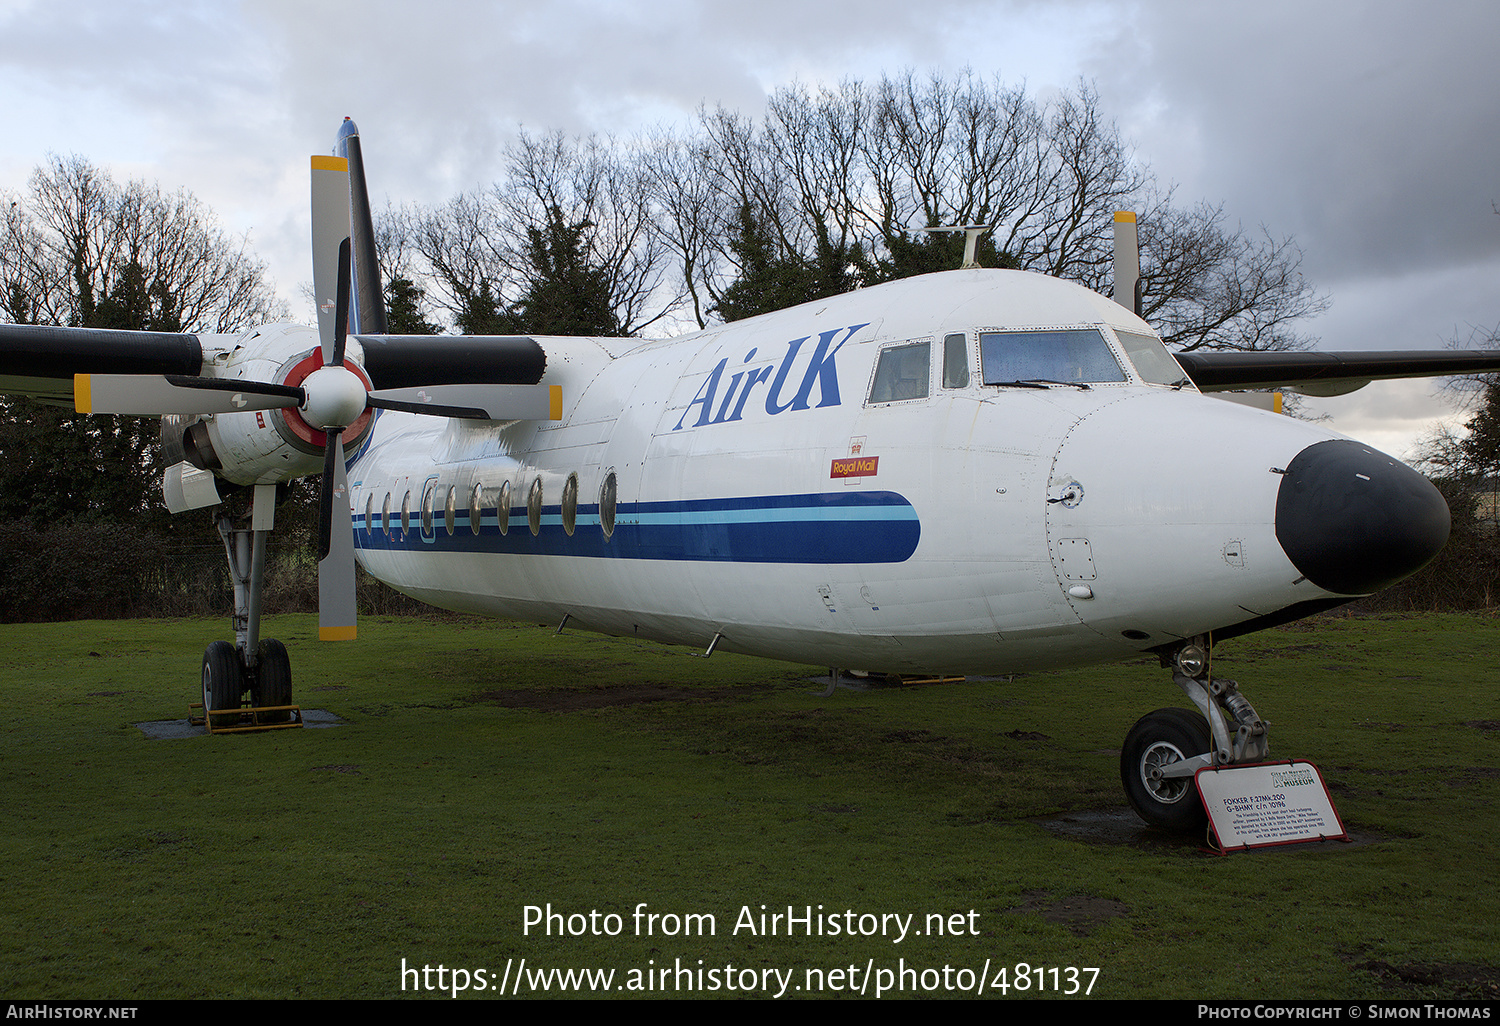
(474, 402)
(368, 288)
(331, 271)
(332, 451)
(154, 395)
(330, 233)
(341, 314)
(336, 604)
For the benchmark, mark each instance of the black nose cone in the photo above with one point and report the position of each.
(1355, 520)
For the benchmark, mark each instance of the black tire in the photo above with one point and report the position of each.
(223, 684)
(273, 681)
(1158, 738)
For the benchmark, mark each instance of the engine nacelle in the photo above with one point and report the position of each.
(260, 446)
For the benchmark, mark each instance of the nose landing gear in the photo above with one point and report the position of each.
(1167, 747)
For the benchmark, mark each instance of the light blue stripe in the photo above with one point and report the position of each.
(801, 514)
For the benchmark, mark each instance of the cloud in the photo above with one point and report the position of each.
(1370, 132)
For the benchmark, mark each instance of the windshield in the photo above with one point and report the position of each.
(1072, 356)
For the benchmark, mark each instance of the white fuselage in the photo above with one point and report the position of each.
(769, 490)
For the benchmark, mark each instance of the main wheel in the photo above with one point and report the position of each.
(1158, 739)
(273, 682)
(223, 684)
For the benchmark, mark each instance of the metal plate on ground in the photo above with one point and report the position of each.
(158, 729)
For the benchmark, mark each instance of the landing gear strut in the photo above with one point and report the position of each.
(1167, 747)
(253, 664)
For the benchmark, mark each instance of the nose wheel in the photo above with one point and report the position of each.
(1157, 741)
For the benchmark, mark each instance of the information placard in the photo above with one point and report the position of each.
(1268, 803)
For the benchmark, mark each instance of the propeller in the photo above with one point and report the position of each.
(156, 395)
(332, 397)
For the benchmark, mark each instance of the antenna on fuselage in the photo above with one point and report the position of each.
(1127, 262)
(972, 232)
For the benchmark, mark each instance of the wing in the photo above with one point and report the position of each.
(1327, 373)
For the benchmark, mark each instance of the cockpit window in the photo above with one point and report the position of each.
(956, 361)
(1074, 357)
(1152, 360)
(902, 373)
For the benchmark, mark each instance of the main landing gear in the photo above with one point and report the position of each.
(254, 664)
(1167, 747)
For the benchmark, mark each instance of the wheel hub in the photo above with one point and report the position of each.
(1164, 789)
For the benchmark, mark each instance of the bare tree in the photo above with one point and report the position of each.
(834, 183)
(475, 255)
(598, 187)
(690, 213)
(854, 170)
(79, 249)
(463, 263)
(25, 280)
(79, 237)
(953, 152)
(1207, 286)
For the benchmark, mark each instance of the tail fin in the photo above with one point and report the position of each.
(367, 316)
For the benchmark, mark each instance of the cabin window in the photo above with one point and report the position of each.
(570, 504)
(427, 500)
(607, 505)
(405, 514)
(1152, 361)
(502, 510)
(956, 361)
(902, 373)
(450, 510)
(476, 508)
(1077, 356)
(370, 513)
(534, 506)
(385, 515)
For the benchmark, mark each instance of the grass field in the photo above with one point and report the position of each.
(486, 767)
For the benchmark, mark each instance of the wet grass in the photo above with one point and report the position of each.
(486, 767)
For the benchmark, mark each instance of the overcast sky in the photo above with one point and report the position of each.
(1369, 131)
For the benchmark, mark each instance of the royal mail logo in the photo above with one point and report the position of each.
(855, 466)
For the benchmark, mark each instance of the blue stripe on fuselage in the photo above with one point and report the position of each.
(857, 527)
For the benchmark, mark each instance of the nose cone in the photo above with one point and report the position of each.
(1354, 520)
